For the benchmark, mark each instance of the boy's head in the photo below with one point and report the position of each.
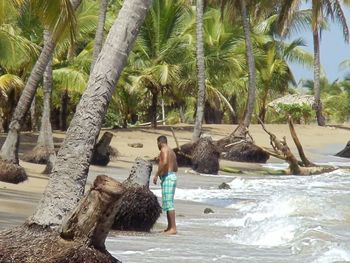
(161, 140)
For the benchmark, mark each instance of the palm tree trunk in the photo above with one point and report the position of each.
(33, 121)
(64, 110)
(68, 179)
(154, 108)
(99, 32)
(200, 71)
(9, 150)
(317, 65)
(251, 66)
(262, 112)
(45, 138)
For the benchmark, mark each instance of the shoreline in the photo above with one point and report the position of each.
(19, 201)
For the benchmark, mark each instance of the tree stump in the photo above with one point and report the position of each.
(102, 151)
(245, 151)
(184, 154)
(82, 234)
(139, 208)
(345, 152)
(205, 157)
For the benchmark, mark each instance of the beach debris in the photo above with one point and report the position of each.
(139, 208)
(81, 238)
(205, 156)
(11, 172)
(231, 170)
(281, 150)
(101, 154)
(224, 186)
(135, 145)
(345, 152)
(208, 211)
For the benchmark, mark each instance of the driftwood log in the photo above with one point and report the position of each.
(139, 208)
(102, 150)
(81, 237)
(282, 151)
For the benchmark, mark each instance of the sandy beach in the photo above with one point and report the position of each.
(17, 202)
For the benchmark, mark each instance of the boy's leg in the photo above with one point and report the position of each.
(172, 222)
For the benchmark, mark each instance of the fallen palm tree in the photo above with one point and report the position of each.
(282, 151)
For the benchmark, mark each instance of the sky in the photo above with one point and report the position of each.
(333, 51)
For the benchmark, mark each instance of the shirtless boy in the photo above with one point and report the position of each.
(167, 169)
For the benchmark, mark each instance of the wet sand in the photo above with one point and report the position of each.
(18, 201)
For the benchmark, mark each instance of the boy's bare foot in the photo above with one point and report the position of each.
(170, 232)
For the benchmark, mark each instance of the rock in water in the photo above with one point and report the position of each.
(208, 211)
(205, 157)
(224, 186)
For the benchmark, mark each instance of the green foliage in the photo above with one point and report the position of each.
(300, 113)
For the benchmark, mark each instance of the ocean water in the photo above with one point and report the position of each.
(260, 219)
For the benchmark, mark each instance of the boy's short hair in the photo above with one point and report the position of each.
(162, 139)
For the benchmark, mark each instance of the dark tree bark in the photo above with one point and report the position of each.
(64, 110)
(102, 150)
(154, 108)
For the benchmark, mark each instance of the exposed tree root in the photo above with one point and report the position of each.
(12, 173)
(139, 208)
(40, 155)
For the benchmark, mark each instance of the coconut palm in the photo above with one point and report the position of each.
(99, 31)
(67, 182)
(321, 9)
(162, 51)
(200, 70)
(56, 15)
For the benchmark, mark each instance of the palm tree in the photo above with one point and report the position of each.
(9, 150)
(99, 31)
(321, 9)
(67, 182)
(163, 52)
(200, 71)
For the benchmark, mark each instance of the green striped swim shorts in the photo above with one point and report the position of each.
(168, 183)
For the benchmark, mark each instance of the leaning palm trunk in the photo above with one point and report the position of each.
(69, 174)
(317, 65)
(44, 149)
(251, 71)
(99, 32)
(9, 150)
(200, 71)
